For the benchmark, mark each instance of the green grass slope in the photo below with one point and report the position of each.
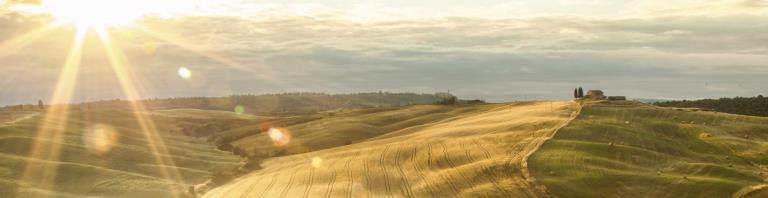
(128, 169)
(627, 149)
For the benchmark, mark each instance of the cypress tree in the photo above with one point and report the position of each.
(581, 93)
(575, 92)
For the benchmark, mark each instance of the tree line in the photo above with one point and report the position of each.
(756, 106)
(281, 102)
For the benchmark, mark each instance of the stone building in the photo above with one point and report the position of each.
(595, 95)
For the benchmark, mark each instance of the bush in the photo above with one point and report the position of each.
(450, 100)
(277, 153)
(252, 163)
(239, 151)
(223, 177)
(225, 147)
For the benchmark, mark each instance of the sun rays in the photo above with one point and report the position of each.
(42, 175)
(40, 172)
(17, 43)
(212, 56)
(126, 79)
(54, 122)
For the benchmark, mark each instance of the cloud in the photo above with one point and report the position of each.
(470, 54)
(700, 8)
(646, 56)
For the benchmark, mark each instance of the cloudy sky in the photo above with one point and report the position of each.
(489, 49)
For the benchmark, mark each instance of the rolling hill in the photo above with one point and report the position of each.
(519, 149)
(603, 149)
(415, 151)
(627, 149)
(103, 153)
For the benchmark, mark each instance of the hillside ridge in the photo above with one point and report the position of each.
(474, 151)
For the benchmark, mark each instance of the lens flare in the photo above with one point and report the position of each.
(150, 48)
(239, 109)
(127, 81)
(99, 138)
(280, 137)
(184, 73)
(317, 162)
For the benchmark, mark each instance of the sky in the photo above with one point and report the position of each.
(485, 49)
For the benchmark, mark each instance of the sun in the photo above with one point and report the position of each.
(94, 14)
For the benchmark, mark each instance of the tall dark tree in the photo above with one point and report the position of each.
(575, 92)
(581, 93)
(40, 105)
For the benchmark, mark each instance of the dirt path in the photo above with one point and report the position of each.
(10, 118)
(537, 189)
(471, 155)
(760, 190)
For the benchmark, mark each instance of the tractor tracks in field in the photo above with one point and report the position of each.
(368, 182)
(382, 160)
(332, 182)
(284, 193)
(453, 186)
(250, 189)
(405, 185)
(351, 174)
(269, 187)
(490, 177)
(453, 167)
(310, 182)
(420, 172)
(477, 161)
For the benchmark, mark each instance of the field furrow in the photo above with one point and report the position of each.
(310, 181)
(480, 171)
(251, 188)
(452, 165)
(269, 187)
(330, 185)
(405, 186)
(368, 178)
(385, 171)
(420, 172)
(450, 181)
(472, 151)
(287, 188)
(350, 175)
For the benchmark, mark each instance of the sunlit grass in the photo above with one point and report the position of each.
(635, 150)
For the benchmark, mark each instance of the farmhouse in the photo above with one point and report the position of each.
(600, 95)
(595, 95)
